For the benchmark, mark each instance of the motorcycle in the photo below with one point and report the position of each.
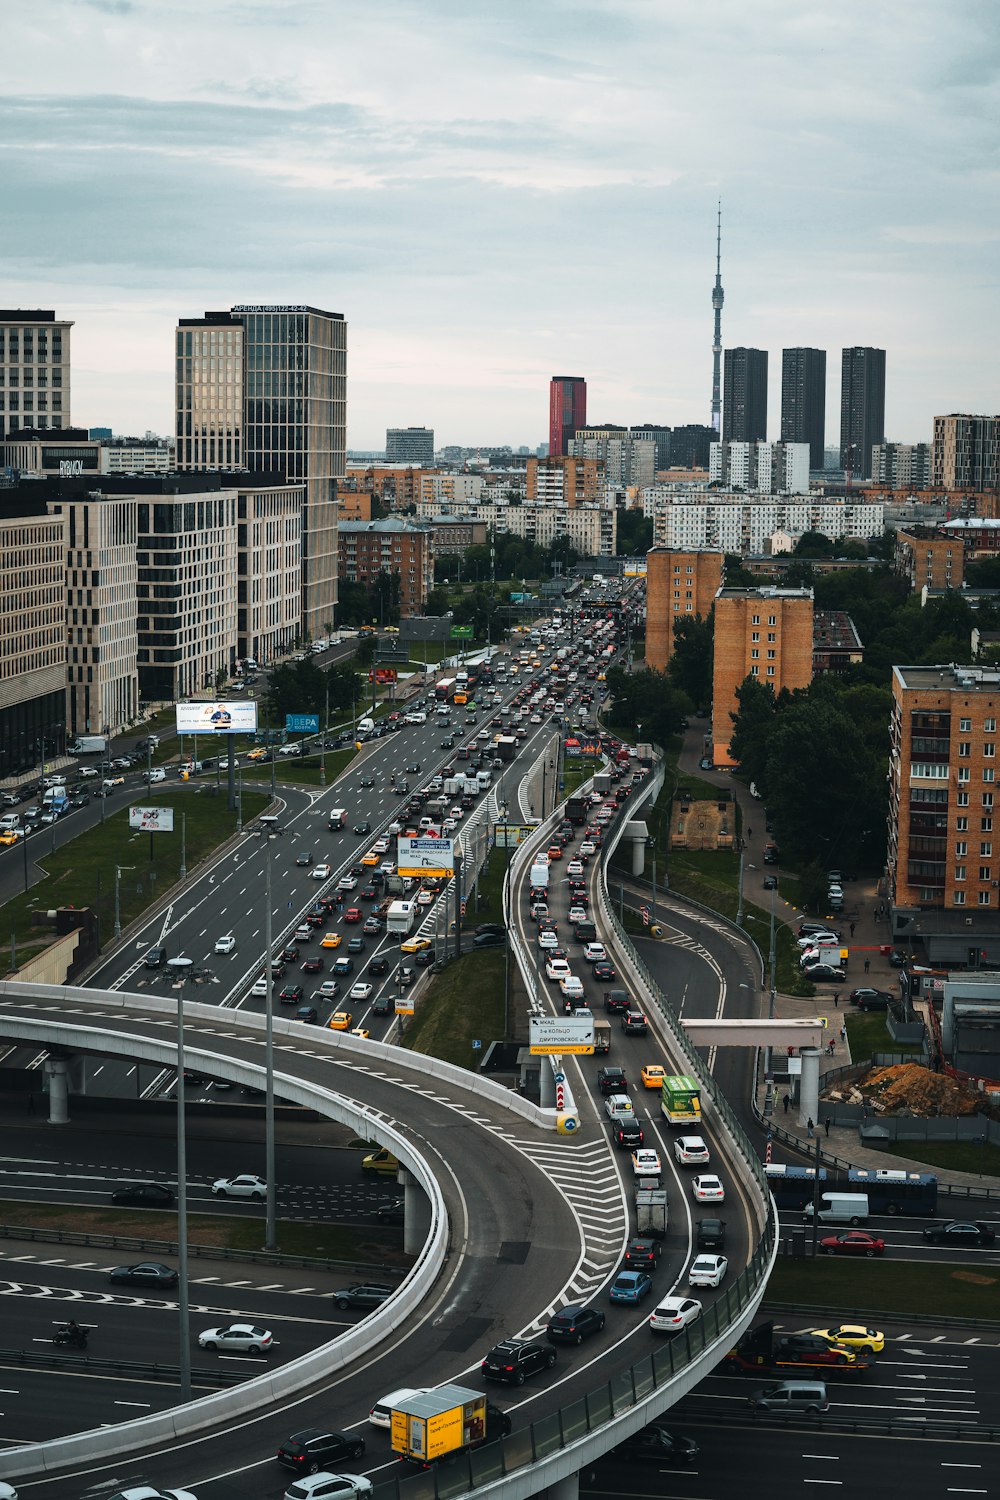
(75, 1338)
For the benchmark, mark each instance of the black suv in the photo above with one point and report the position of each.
(512, 1360)
(627, 1134)
(634, 1023)
(612, 1081)
(572, 1324)
(316, 1448)
(362, 1294)
(657, 1443)
(643, 1253)
(145, 1195)
(617, 1002)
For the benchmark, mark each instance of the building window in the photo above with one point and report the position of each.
(754, 653)
(961, 848)
(770, 671)
(984, 898)
(755, 635)
(989, 750)
(961, 825)
(989, 726)
(985, 825)
(963, 749)
(959, 872)
(988, 773)
(986, 849)
(987, 799)
(755, 620)
(962, 799)
(958, 898)
(965, 726)
(964, 775)
(984, 872)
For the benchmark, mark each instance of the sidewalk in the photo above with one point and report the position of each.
(865, 934)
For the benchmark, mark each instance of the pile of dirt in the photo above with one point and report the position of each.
(908, 1088)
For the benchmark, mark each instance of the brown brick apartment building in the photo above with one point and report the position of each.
(679, 585)
(368, 548)
(931, 560)
(765, 633)
(942, 765)
(564, 481)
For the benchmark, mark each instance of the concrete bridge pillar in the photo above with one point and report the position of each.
(565, 1489)
(416, 1213)
(547, 1083)
(809, 1086)
(56, 1069)
(638, 854)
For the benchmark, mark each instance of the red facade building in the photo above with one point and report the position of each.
(567, 411)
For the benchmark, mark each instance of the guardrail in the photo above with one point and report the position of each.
(929, 1427)
(195, 1252)
(38, 1359)
(628, 1399)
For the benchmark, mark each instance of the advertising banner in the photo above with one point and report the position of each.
(152, 819)
(302, 723)
(425, 856)
(547, 1034)
(217, 718)
(461, 632)
(509, 835)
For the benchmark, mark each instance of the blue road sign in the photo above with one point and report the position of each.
(302, 723)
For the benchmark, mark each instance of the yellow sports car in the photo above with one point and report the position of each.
(340, 1020)
(259, 754)
(360, 1031)
(653, 1075)
(331, 940)
(415, 945)
(852, 1336)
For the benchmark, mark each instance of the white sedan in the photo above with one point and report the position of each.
(347, 883)
(691, 1151)
(225, 944)
(259, 986)
(594, 953)
(572, 987)
(707, 1270)
(646, 1162)
(574, 867)
(87, 771)
(329, 1487)
(548, 939)
(557, 968)
(243, 1336)
(321, 872)
(240, 1187)
(673, 1314)
(707, 1189)
(578, 914)
(361, 991)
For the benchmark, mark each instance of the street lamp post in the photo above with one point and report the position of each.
(118, 905)
(180, 968)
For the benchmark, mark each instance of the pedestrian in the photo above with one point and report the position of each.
(749, 833)
(836, 999)
(875, 913)
(31, 1104)
(831, 1044)
(852, 929)
(785, 1103)
(826, 1127)
(843, 1032)
(868, 964)
(810, 1128)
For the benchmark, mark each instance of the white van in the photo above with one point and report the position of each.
(365, 726)
(10, 823)
(415, 717)
(839, 1208)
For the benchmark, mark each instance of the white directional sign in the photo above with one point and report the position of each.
(426, 856)
(548, 1034)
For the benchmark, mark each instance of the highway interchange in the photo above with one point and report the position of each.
(216, 903)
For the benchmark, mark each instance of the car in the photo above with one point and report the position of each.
(313, 964)
(826, 972)
(548, 939)
(646, 1162)
(673, 1314)
(642, 1252)
(341, 1020)
(807, 1348)
(811, 937)
(656, 1443)
(380, 1414)
(246, 1337)
(604, 970)
(331, 940)
(290, 955)
(343, 966)
(852, 1336)
(225, 944)
(361, 991)
(356, 944)
(574, 867)
(575, 1322)
(866, 999)
(290, 994)
(707, 1270)
(303, 858)
(572, 987)
(513, 1360)
(415, 945)
(143, 1273)
(362, 1294)
(315, 1447)
(259, 986)
(381, 1162)
(652, 1075)
(691, 1151)
(244, 1186)
(321, 872)
(361, 828)
(379, 966)
(134, 1492)
(852, 1242)
(492, 940)
(634, 1023)
(770, 882)
(425, 958)
(631, 1286)
(326, 1486)
(594, 953)
(960, 1232)
(612, 1080)
(710, 1234)
(145, 1195)
(707, 1188)
(307, 1014)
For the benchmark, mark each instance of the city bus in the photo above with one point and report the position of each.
(893, 1191)
(680, 1099)
(794, 1187)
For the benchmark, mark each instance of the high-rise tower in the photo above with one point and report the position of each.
(718, 297)
(862, 408)
(803, 400)
(567, 411)
(745, 417)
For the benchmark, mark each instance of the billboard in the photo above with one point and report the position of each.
(217, 718)
(425, 856)
(302, 723)
(151, 819)
(560, 1034)
(461, 632)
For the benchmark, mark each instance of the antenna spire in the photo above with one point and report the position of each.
(718, 297)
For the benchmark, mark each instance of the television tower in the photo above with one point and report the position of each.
(718, 297)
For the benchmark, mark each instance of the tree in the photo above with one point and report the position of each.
(647, 702)
(813, 544)
(437, 603)
(690, 665)
(352, 603)
(753, 724)
(635, 533)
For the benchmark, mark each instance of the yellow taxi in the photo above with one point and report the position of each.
(360, 1031)
(371, 858)
(331, 940)
(852, 1336)
(415, 945)
(653, 1076)
(6, 839)
(259, 754)
(340, 1020)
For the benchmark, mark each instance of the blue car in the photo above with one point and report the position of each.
(631, 1286)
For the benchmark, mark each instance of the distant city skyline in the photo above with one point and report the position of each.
(559, 198)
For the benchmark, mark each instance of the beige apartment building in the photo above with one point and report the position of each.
(32, 630)
(269, 608)
(34, 370)
(564, 481)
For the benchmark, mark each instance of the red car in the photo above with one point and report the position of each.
(352, 914)
(852, 1242)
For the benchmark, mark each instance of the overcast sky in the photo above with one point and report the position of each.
(495, 191)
